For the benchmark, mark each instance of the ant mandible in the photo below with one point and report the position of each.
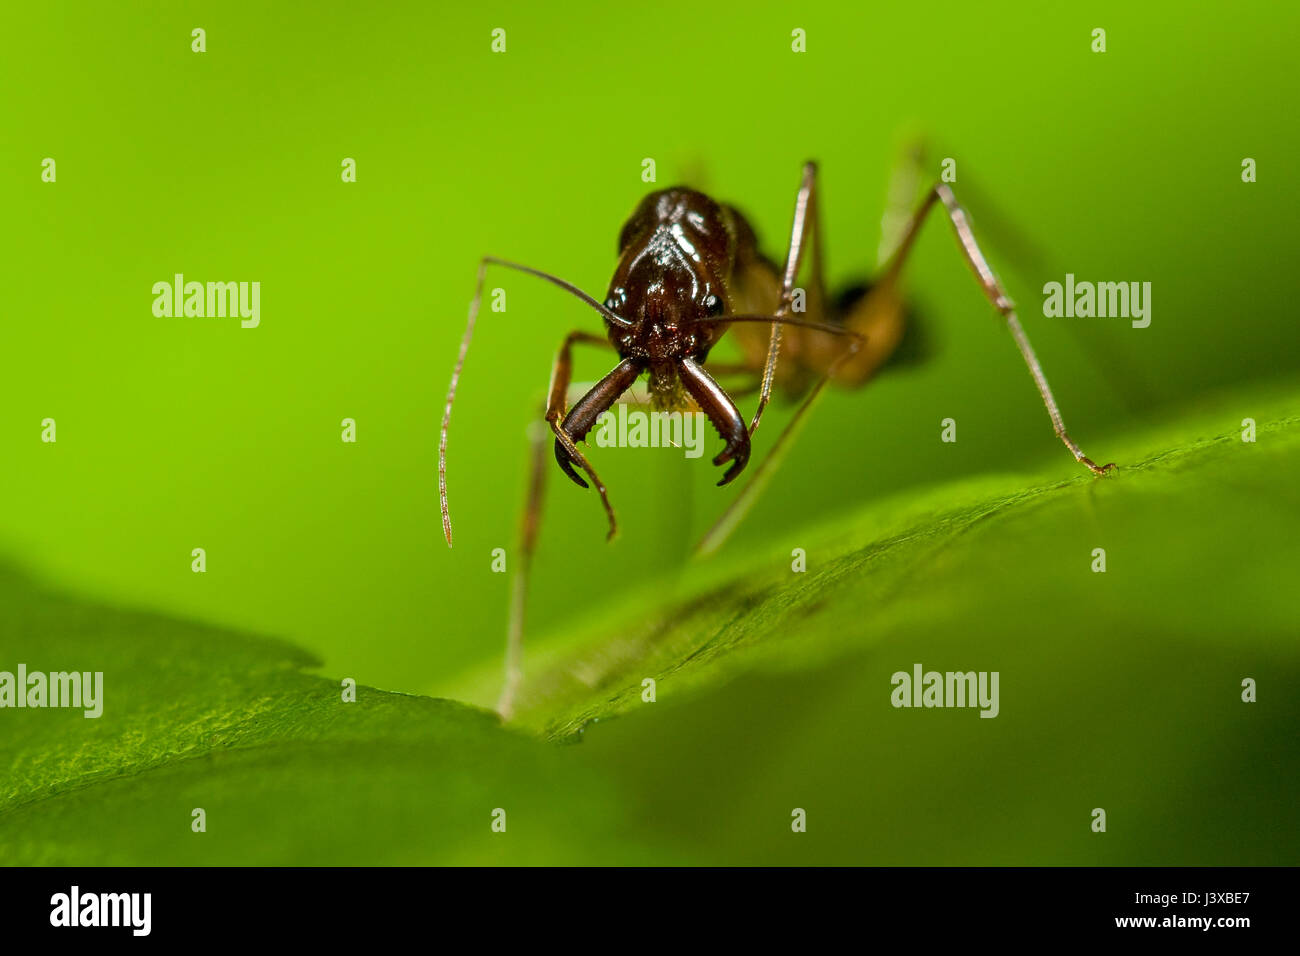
(690, 269)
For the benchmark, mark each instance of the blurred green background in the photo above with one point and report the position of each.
(183, 433)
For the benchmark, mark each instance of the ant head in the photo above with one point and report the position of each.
(673, 293)
(675, 256)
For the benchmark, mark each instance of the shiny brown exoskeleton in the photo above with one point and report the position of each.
(684, 261)
(690, 270)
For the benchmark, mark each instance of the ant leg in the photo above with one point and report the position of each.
(735, 512)
(879, 300)
(911, 172)
(997, 295)
(530, 524)
(806, 230)
(557, 406)
(532, 518)
(1022, 251)
(900, 200)
(486, 261)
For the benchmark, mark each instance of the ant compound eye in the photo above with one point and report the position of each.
(616, 300)
(712, 304)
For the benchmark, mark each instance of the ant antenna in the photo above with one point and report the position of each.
(568, 287)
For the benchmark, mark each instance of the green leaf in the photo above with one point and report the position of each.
(285, 770)
(1193, 514)
(1118, 690)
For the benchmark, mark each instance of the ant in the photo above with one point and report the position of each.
(689, 270)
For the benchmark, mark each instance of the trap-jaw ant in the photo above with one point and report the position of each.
(689, 270)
